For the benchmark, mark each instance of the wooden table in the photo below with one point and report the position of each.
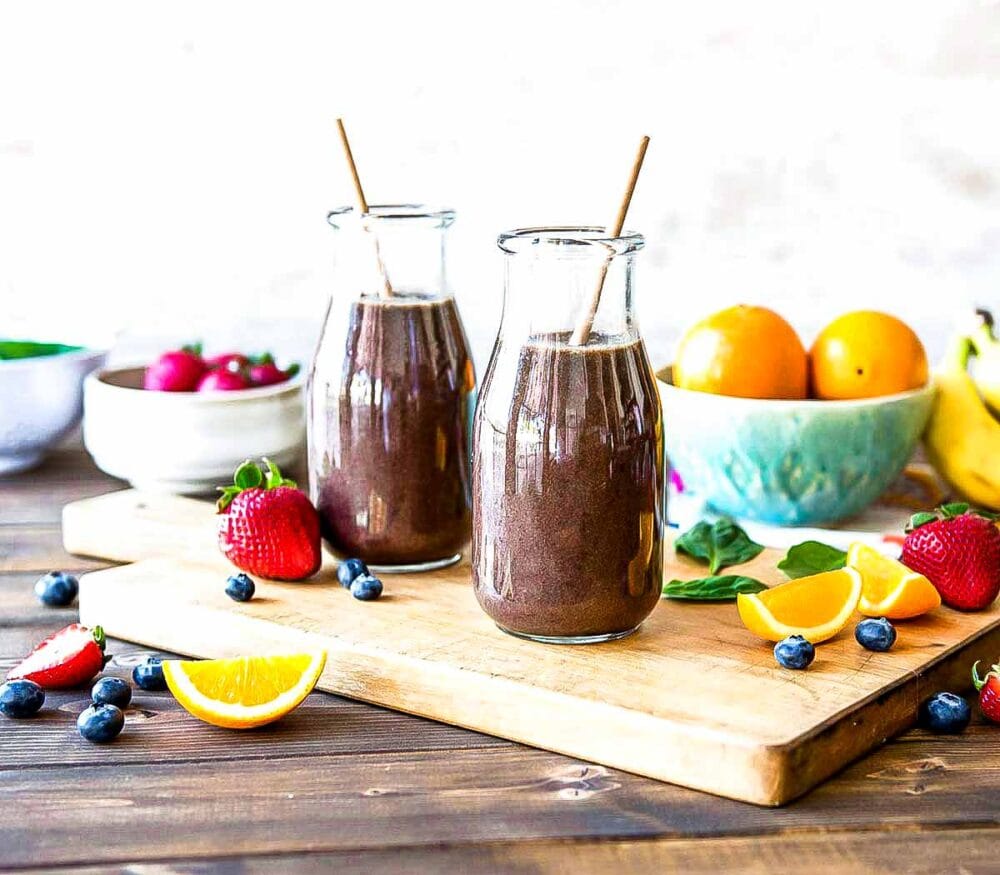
(350, 787)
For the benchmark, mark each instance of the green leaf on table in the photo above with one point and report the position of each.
(712, 589)
(812, 557)
(719, 544)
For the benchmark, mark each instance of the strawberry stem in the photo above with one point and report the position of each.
(980, 683)
(99, 638)
(250, 476)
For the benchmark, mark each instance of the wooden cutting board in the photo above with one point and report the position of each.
(692, 698)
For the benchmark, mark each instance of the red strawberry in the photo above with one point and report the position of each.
(989, 692)
(959, 552)
(268, 374)
(269, 527)
(222, 381)
(228, 361)
(68, 658)
(177, 371)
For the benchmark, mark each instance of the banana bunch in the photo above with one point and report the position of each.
(963, 435)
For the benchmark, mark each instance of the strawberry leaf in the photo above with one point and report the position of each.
(99, 637)
(956, 508)
(920, 519)
(248, 476)
(292, 370)
(274, 478)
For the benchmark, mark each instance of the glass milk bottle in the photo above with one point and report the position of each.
(391, 395)
(568, 461)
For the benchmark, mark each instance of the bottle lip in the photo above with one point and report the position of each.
(585, 240)
(438, 217)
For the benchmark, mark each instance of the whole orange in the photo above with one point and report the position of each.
(866, 354)
(749, 352)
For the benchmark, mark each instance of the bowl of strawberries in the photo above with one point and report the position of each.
(185, 420)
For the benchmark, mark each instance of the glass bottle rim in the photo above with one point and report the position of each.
(582, 240)
(437, 217)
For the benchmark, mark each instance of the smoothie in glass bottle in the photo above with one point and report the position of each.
(568, 462)
(391, 395)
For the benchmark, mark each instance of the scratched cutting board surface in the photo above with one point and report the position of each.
(692, 698)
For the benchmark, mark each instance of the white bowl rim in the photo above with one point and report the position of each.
(76, 355)
(95, 378)
(808, 403)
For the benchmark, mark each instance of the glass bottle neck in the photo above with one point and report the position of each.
(551, 294)
(393, 251)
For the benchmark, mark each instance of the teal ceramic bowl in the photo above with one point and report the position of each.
(790, 462)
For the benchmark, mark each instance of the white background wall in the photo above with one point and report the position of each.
(165, 169)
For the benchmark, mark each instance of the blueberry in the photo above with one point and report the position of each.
(57, 589)
(878, 635)
(349, 570)
(148, 675)
(240, 588)
(111, 691)
(100, 723)
(21, 698)
(794, 652)
(366, 588)
(945, 712)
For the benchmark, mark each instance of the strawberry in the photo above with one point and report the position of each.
(176, 371)
(959, 552)
(69, 658)
(989, 692)
(268, 526)
(268, 373)
(228, 361)
(222, 381)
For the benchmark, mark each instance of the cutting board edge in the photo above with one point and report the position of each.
(762, 773)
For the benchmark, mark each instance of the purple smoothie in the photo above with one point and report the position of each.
(391, 442)
(568, 479)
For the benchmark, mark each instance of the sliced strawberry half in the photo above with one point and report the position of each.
(69, 658)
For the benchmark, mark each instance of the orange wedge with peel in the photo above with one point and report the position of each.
(244, 692)
(815, 607)
(889, 588)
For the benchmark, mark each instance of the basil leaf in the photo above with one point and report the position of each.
(711, 589)
(812, 557)
(718, 545)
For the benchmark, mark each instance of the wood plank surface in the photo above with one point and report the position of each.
(704, 704)
(933, 852)
(920, 804)
(340, 802)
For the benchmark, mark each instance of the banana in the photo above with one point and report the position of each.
(986, 372)
(962, 437)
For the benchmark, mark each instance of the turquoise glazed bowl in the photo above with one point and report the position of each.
(790, 462)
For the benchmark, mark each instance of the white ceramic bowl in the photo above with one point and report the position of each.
(187, 442)
(41, 401)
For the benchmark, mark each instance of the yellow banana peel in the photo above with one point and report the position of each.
(962, 436)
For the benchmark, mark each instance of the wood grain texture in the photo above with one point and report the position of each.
(699, 700)
(963, 852)
(356, 801)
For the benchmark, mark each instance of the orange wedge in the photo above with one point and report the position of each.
(245, 692)
(815, 607)
(889, 588)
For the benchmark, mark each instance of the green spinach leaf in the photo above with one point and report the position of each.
(711, 589)
(718, 544)
(812, 557)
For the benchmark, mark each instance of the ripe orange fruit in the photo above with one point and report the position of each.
(815, 607)
(866, 354)
(749, 352)
(889, 588)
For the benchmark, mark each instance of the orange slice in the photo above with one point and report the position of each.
(889, 588)
(244, 692)
(815, 607)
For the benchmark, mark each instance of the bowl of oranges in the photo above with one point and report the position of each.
(764, 429)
